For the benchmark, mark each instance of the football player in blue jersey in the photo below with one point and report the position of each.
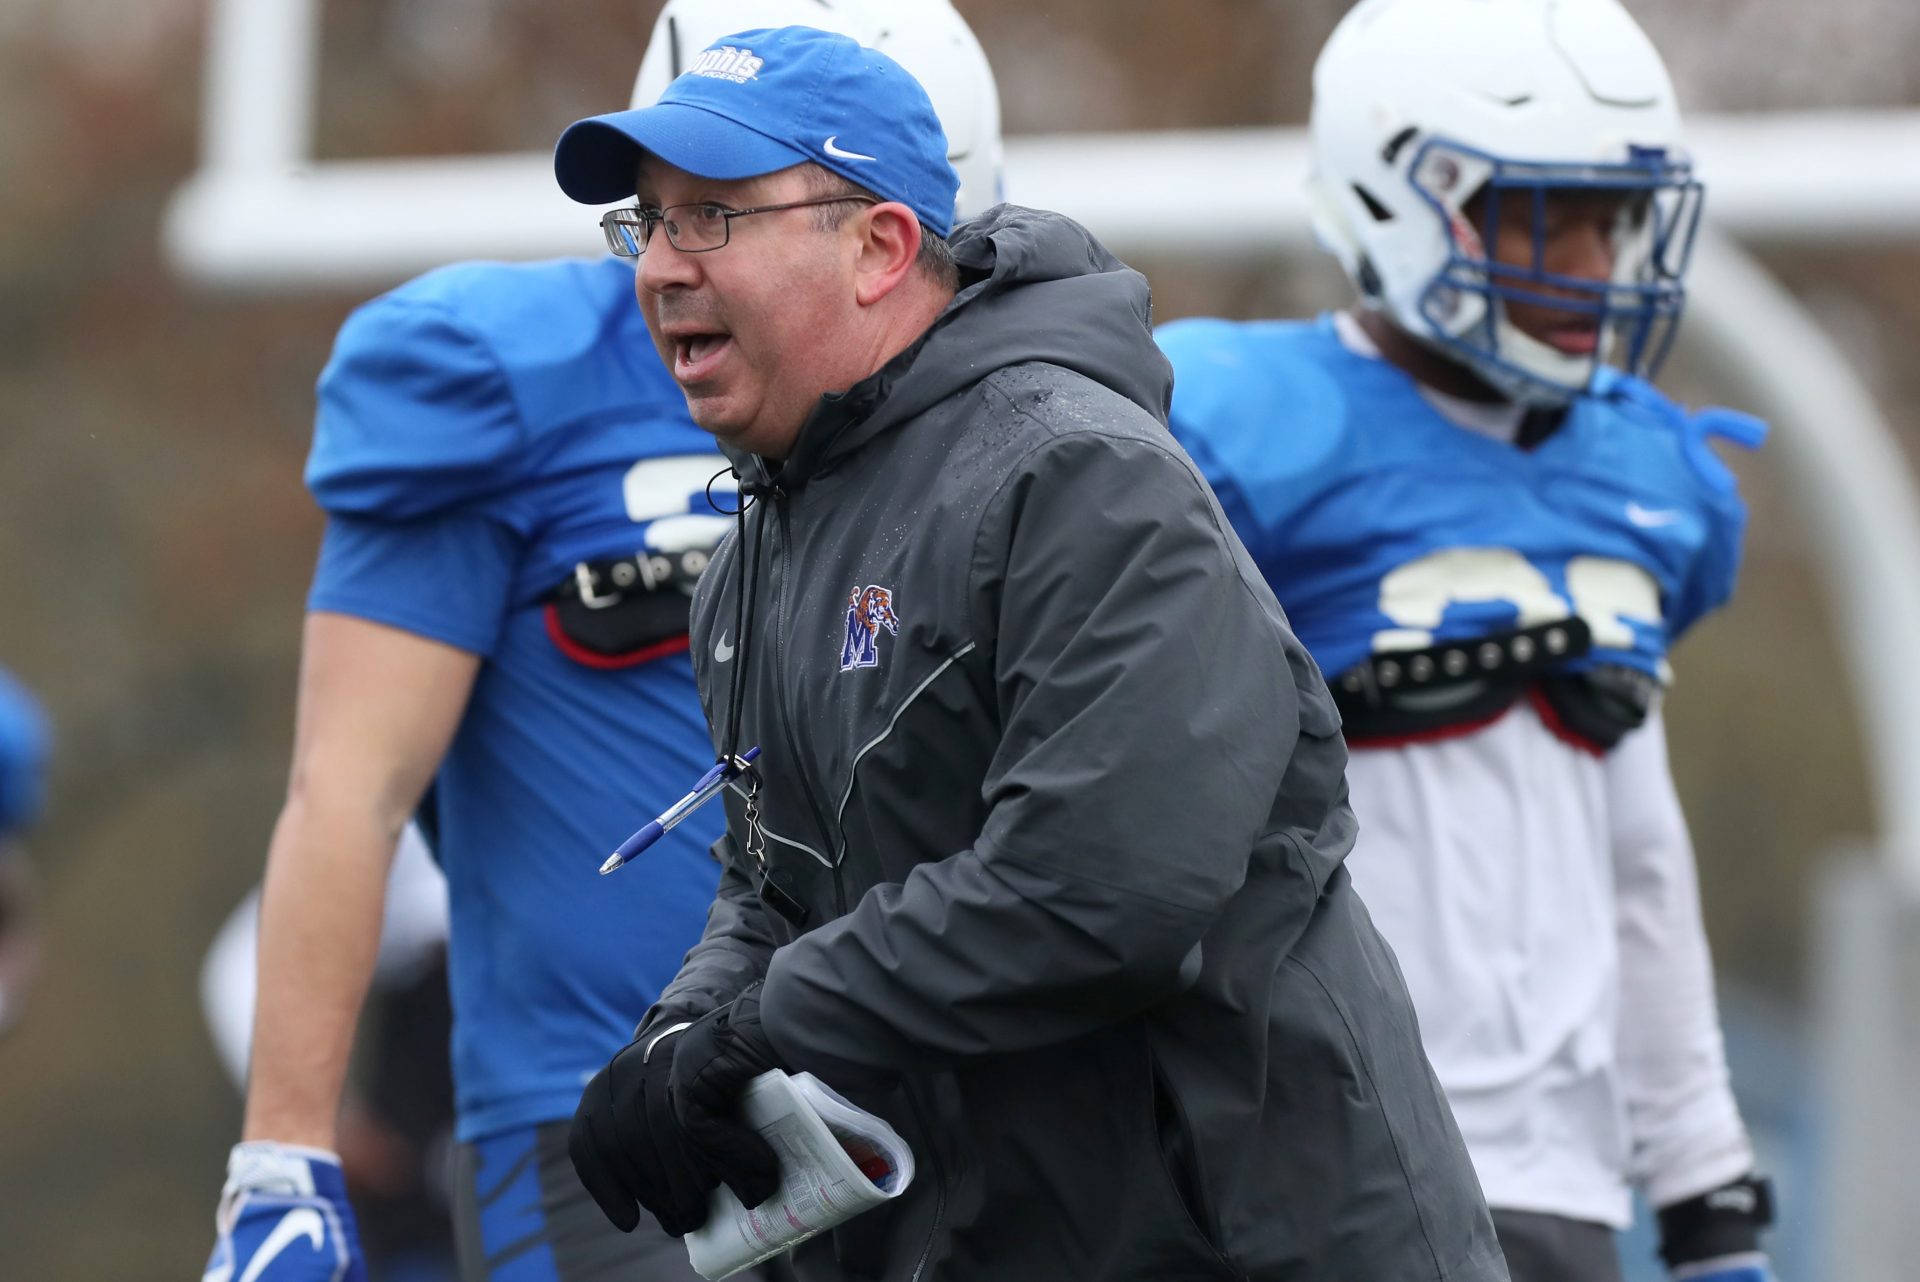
(1489, 528)
(517, 510)
(23, 753)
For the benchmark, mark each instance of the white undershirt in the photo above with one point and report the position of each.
(1544, 907)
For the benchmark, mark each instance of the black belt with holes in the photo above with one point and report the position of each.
(600, 585)
(1412, 694)
(627, 610)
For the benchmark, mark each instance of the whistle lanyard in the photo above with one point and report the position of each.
(732, 764)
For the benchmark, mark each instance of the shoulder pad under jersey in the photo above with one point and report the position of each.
(1641, 400)
(1715, 566)
(1260, 406)
(436, 392)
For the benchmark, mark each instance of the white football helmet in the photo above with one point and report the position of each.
(927, 37)
(1418, 105)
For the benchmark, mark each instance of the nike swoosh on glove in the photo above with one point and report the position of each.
(1715, 1236)
(284, 1217)
(1751, 1266)
(626, 1142)
(715, 1059)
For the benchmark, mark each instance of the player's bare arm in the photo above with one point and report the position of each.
(377, 707)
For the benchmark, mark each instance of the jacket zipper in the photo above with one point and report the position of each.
(939, 1180)
(781, 546)
(782, 543)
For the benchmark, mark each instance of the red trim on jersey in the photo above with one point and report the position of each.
(1437, 734)
(608, 662)
(1536, 698)
(1550, 718)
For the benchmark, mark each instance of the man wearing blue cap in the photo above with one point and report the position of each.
(516, 509)
(1040, 854)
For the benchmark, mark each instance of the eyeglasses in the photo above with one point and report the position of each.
(693, 229)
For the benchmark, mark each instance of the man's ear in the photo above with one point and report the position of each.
(889, 242)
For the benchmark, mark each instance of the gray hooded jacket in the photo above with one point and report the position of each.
(1053, 803)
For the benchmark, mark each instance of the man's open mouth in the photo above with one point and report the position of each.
(696, 355)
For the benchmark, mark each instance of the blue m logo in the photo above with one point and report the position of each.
(868, 610)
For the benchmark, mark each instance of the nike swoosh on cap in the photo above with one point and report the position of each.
(843, 153)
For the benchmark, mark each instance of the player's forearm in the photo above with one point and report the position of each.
(1684, 1126)
(319, 931)
(1683, 1123)
(377, 708)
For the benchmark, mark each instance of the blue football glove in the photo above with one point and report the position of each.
(1715, 1237)
(284, 1217)
(1749, 1266)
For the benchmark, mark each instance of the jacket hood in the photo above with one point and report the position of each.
(1035, 286)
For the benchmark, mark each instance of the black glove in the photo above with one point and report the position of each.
(627, 1145)
(1715, 1237)
(712, 1062)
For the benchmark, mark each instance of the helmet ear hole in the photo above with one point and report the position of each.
(1380, 213)
(1367, 276)
(1391, 152)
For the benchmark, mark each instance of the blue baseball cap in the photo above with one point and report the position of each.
(769, 99)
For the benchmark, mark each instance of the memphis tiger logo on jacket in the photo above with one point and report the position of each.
(868, 610)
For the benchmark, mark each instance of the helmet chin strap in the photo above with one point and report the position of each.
(1524, 370)
(1533, 373)
(1521, 368)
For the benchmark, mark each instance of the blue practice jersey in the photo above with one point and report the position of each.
(1383, 526)
(482, 432)
(23, 750)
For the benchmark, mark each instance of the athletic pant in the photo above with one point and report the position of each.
(521, 1215)
(1553, 1248)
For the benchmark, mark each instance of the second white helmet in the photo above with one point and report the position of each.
(927, 37)
(1419, 105)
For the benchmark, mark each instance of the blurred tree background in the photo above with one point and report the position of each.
(156, 541)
